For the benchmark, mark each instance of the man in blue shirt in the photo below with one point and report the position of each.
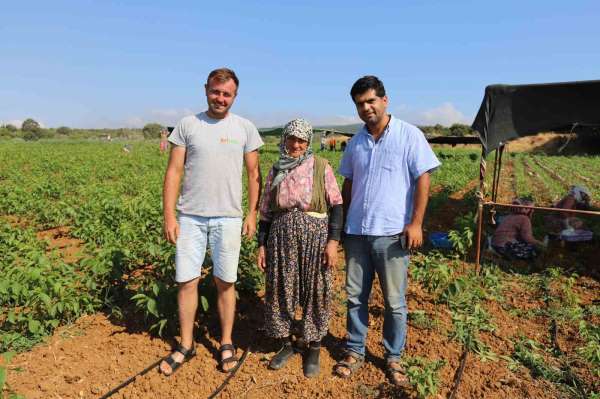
(386, 167)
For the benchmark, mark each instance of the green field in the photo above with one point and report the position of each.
(110, 202)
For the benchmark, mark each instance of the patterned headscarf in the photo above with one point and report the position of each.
(578, 192)
(298, 128)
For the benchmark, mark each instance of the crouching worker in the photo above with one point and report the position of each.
(514, 237)
(577, 198)
(299, 229)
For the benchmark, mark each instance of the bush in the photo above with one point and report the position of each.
(30, 125)
(63, 130)
(29, 135)
(459, 129)
(152, 130)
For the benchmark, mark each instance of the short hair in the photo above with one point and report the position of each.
(365, 84)
(222, 75)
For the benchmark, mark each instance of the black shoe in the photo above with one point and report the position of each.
(281, 357)
(310, 365)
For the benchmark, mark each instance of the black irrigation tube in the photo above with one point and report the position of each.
(217, 391)
(459, 372)
(130, 380)
(156, 363)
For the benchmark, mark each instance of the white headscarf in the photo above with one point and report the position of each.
(578, 192)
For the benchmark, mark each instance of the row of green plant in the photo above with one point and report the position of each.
(563, 310)
(39, 291)
(112, 202)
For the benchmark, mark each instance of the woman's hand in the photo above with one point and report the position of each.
(330, 256)
(261, 258)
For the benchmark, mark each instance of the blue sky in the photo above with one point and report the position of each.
(125, 63)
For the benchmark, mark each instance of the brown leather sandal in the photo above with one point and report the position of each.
(230, 359)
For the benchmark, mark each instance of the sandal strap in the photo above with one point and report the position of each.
(352, 367)
(227, 347)
(170, 360)
(186, 352)
(354, 355)
(229, 359)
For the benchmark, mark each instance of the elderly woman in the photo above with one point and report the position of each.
(299, 229)
(514, 237)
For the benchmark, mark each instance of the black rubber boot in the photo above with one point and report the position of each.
(310, 365)
(281, 357)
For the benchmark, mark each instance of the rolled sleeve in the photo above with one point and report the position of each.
(178, 136)
(254, 141)
(423, 158)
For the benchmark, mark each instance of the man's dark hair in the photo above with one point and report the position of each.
(365, 84)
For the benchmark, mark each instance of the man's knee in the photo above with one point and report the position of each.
(223, 285)
(190, 285)
(395, 303)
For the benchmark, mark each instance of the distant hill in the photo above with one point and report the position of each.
(276, 131)
(456, 129)
(343, 128)
(270, 131)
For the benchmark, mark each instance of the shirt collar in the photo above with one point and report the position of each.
(364, 131)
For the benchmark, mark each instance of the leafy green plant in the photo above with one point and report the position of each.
(461, 241)
(422, 320)
(591, 350)
(432, 271)
(423, 375)
(467, 326)
(527, 352)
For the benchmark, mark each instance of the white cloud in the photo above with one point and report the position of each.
(445, 114)
(15, 122)
(166, 117)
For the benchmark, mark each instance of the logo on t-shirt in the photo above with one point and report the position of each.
(226, 140)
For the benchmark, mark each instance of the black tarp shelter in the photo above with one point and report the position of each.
(512, 111)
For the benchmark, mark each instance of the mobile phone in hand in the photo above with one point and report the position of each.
(402, 241)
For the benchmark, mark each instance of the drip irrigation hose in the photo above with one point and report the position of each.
(130, 380)
(459, 372)
(156, 363)
(217, 391)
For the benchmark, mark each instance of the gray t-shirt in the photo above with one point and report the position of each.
(214, 158)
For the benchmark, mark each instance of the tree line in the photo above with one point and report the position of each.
(31, 130)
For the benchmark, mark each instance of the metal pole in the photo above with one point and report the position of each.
(481, 200)
(542, 208)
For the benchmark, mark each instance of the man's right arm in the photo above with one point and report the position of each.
(171, 191)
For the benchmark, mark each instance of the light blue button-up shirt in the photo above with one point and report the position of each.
(384, 176)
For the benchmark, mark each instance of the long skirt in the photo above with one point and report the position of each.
(517, 250)
(296, 277)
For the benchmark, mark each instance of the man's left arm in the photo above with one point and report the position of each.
(414, 230)
(254, 186)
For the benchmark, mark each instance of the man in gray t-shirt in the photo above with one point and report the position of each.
(209, 150)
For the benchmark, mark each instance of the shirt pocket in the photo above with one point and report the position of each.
(390, 160)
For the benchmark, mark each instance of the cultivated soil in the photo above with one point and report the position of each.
(97, 352)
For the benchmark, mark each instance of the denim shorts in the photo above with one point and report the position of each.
(223, 236)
